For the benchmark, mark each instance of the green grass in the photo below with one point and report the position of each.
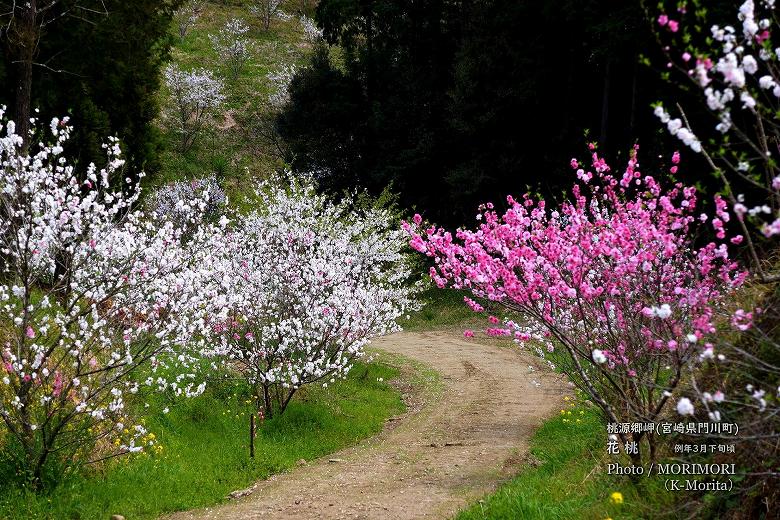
(205, 450)
(443, 309)
(570, 480)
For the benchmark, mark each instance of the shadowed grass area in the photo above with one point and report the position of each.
(205, 449)
(569, 478)
(443, 309)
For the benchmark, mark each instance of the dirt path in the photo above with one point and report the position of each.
(444, 453)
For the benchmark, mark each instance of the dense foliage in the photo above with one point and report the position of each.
(449, 101)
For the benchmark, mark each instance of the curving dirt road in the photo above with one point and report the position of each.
(450, 448)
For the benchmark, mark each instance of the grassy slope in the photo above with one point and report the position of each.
(443, 309)
(228, 146)
(205, 450)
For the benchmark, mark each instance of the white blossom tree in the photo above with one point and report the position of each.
(196, 94)
(308, 284)
(90, 290)
(311, 32)
(266, 10)
(280, 83)
(233, 46)
(187, 15)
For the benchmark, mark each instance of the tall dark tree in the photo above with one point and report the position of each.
(24, 25)
(462, 101)
(389, 95)
(107, 90)
(530, 78)
(325, 126)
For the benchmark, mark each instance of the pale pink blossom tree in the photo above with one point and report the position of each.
(308, 284)
(187, 16)
(266, 10)
(90, 290)
(280, 84)
(196, 95)
(311, 32)
(233, 46)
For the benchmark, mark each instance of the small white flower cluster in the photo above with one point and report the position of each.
(233, 46)
(685, 406)
(285, 17)
(662, 311)
(170, 201)
(280, 81)
(311, 32)
(599, 357)
(676, 128)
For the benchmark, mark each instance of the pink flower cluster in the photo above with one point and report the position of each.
(614, 269)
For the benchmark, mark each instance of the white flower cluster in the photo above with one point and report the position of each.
(280, 81)
(311, 32)
(233, 46)
(306, 284)
(196, 94)
(676, 128)
(170, 201)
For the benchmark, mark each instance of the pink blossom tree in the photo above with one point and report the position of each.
(609, 287)
(733, 66)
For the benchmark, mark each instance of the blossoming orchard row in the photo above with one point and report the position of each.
(101, 301)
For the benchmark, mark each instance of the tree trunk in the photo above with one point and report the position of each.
(286, 401)
(24, 38)
(632, 117)
(267, 401)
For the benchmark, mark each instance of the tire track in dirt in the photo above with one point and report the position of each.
(447, 451)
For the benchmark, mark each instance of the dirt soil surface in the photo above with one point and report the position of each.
(450, 448)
